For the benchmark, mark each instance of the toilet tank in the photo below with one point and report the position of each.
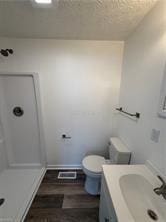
(118, 152)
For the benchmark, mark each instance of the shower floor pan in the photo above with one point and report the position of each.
(18, 188)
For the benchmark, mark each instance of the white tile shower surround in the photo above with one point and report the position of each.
(18, 187)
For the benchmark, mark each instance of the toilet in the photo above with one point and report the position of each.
(92, 164)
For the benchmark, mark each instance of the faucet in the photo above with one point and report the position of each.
(161, 190)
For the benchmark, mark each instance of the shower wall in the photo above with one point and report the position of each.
(3, 157)
(20, 133)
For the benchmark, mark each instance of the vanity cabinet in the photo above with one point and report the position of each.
(106, 211)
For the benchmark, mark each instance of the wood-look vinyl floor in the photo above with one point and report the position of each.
(59, 200)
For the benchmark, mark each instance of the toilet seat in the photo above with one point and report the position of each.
(92, 164)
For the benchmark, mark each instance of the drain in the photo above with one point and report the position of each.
(2, 200)
(152, 215)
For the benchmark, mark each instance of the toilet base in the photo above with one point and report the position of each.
(93, 185)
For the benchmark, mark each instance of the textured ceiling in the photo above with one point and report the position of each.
(73, 19)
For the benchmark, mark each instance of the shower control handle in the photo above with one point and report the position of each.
(18, 111)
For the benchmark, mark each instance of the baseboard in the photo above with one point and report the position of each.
(64, 167)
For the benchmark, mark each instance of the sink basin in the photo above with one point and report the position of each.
(131, 192)
(143, 204)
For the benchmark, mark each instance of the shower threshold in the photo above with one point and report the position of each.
(18, 188)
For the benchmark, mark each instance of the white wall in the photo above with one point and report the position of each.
(144, 59)
(80, 83)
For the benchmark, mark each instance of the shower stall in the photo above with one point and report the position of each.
(22, 154)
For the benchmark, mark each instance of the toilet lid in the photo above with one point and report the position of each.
(93, 163)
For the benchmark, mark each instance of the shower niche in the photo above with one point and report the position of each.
(20, 117)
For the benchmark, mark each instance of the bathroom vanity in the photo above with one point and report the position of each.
(127, 195)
